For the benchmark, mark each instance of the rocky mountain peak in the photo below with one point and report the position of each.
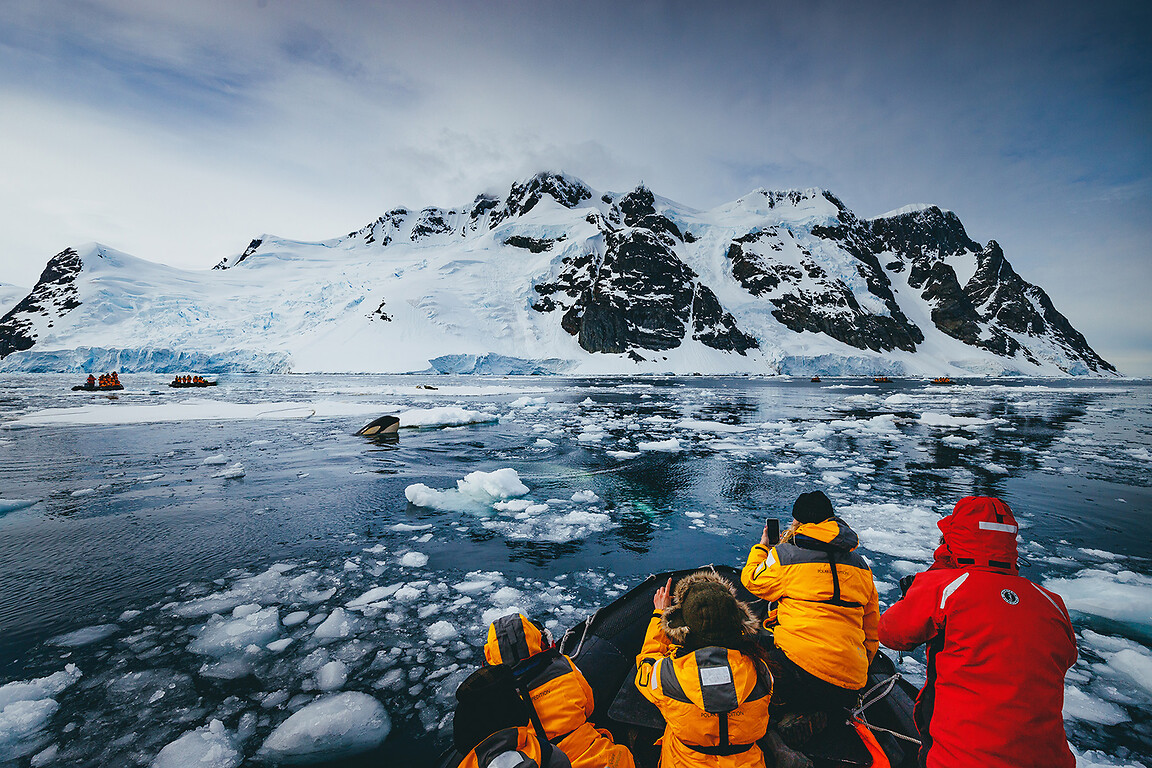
(524, 195)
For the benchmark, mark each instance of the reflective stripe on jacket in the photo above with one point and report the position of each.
(828, 605)
(714, 701)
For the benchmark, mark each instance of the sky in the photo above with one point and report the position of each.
(177, 131)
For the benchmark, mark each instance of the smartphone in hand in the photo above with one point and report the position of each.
(773, 526)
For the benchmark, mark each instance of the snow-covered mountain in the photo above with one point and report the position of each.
(558, 277)
(9, 295)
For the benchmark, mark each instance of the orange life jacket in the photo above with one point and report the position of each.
(828, 605)
(560, 695)
(515, 748)
(714, 701)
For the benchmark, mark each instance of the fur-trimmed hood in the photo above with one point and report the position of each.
(672, 621)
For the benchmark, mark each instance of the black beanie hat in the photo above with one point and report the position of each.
(812, 507)
(713, 616)
(487, 702)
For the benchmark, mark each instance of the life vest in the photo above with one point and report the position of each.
(714, 701)
(828, 606)
(561, 696)
(514, 748)
(998, 649)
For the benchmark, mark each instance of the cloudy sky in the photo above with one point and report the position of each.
(178, 131)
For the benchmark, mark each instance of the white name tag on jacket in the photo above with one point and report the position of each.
(715, 676)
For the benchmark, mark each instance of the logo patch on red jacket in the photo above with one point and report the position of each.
(1009, 596)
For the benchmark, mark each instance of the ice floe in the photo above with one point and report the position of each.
(26, 707)
(331, 728)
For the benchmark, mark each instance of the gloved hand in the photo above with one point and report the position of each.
(905, 583)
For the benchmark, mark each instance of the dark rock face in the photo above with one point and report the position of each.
(54, 296)
(639, 293)
(996, 307)
(531, 243)
(808, 299)
(251, 249)
(431, 221)
(523, 197)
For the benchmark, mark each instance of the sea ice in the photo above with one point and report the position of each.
(26, 707)
(338, 624)
(222, 637)
(475, 491)
(208, 747)
(85, 636)
(331, 728)
(414, 560)
(11, 505)
(441, 631)
(332, 676)
(1124, 597)
(671, 445)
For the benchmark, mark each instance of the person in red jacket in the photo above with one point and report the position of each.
(998, 648)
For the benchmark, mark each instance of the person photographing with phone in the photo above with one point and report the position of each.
(826, 618)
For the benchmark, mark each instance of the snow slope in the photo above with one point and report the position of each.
(554, 278)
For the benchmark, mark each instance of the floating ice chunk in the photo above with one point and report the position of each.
(332, 676)
(407, 593)
(217, 460)
(83, 492)
(207, 747)
(11, 505)
(1082, 706)
(45, 757)
(996, 469)
(441, 631)
(697, 425)
(338, 624)
(294, 618)
(474, 586)
(1100, 553)
(444, 416)
(543, 442)
(477, 490)
(222, 637)
(231, 473)
(585, 497)
(962, 422)
(1135, 665)
(26, 707)
(129, 615)
(278, 645)
(248, 609)
(671, 445)
(374, 595)
(414, 560)
(623, 454)
(1125, 596)
(85, 636)
(958, 441)
(506, 596)
(330, 728)
(403, 527)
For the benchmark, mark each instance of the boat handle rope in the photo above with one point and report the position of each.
(866, 702)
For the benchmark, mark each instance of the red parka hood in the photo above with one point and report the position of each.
(981, 531)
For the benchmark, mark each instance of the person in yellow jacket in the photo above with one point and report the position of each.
(560, 695)
(826, 617)
(701, 666)
(492, 728)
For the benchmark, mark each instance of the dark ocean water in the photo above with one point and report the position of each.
(126, 505)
